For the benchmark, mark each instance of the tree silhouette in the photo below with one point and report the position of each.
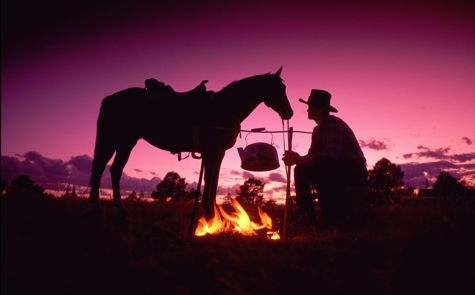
(448, 186)
(252, 192)
(171, 186)
(23, 186)
(70, 194)
(385, 175)
(132, 196)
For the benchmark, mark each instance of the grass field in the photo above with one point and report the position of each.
(63, 246)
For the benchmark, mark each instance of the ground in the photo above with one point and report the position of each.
(65, 246)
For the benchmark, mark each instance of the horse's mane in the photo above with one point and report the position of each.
(245, 83)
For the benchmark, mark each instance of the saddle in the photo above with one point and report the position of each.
(191, 104)
(159, 89)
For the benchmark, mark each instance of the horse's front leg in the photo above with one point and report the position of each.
(121, 158)
(212, 167)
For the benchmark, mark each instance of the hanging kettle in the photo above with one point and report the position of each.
(259, 156)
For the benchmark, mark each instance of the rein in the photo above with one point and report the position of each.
(288, 170)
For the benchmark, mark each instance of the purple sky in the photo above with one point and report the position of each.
(402, 74)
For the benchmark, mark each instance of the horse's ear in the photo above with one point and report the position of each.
(278, 71)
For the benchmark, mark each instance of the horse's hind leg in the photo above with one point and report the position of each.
(120, 159)
(212, 167)
(102, 154)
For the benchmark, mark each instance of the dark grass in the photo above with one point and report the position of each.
(64, 246)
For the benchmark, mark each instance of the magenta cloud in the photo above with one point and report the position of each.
(49, 173)
(373, 144)
(415, 174)
(247, 175)
(276, 177)
(467, 140)
(439, 154)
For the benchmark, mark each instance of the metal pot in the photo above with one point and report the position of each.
(259, 156)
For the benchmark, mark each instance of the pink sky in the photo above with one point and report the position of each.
(401, 75)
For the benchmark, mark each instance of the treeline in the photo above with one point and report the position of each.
(22, 187)
(172, 188)
(388, 177)
(385, 182)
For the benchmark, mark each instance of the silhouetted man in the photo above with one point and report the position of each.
(334, 164)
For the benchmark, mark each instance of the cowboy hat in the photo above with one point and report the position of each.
(320, 99)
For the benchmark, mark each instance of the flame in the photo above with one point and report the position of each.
(235, 222)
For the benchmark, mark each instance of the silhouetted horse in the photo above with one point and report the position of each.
(181, 123)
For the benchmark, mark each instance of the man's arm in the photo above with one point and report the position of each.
(293, 158)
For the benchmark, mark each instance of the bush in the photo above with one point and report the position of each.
(23, 186)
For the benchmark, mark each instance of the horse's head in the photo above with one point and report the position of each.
(275, 96)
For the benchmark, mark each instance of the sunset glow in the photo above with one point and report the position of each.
(101, 101)
(402, 77)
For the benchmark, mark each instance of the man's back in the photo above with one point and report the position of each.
(334, 141)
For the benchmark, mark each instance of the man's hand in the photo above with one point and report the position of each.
(291, 158)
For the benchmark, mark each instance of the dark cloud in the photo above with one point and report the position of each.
(10, 166)
(53, 167)
(373, 144)
(415, 174)
(279, 189)
(235, 172)
(138, 170)
(247, 175)
(139, 184)
(463, 157)
(79, 168)
(439, 154)
(82, 163)
(276, 177)
(439, 150)
(50, 172)
(224, 190)
(467, 140)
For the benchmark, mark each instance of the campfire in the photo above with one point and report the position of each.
(237, 222)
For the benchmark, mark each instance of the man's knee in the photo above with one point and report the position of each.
(298, 171)
(304, 173)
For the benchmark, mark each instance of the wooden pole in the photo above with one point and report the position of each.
(197, 195)
(288, 172)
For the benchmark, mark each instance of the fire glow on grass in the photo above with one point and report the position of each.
(235, 222)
